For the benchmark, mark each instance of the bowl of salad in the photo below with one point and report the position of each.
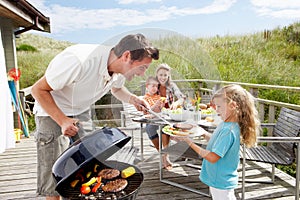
(179, 114)
(209, 112)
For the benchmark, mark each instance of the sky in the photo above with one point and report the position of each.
(96, 21)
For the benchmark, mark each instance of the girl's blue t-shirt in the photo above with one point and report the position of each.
(225, 142)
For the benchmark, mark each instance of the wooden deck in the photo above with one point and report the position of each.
(18, 177)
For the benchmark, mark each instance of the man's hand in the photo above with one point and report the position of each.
(69, 127)
(140, 104)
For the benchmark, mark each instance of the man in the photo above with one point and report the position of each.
(73, 81)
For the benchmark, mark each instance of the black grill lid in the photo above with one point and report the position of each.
(100, 144)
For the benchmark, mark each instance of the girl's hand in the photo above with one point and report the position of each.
(183, 139)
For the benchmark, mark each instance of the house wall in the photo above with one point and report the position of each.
(6, 114)
(8, 40)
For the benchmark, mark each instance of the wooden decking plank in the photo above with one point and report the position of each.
(18, 177)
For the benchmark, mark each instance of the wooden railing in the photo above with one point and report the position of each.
(204, 87)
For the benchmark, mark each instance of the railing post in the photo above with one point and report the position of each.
(261, 112)
(22, 102)
(254, 91)
(271, 118)
(216, 87)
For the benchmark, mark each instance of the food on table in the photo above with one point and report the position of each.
(129, 171)
(202, 106)
(179, 114)
(163, 99)
(176, 111)
(175, 131)
(183, 126)
(109, 173)
(115, 185)
(209, 119)
(208, 111)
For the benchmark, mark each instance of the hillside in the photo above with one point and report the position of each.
(270, 57)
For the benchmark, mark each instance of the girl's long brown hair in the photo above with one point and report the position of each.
(246, 111)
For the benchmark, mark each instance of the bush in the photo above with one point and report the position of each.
(26, 47)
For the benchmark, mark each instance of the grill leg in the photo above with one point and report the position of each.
(273, 173)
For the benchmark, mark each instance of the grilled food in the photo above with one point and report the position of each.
(209, 119)
(109, 173)
(129, 171)
(115, 185)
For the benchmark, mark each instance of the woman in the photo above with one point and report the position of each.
(166, 88)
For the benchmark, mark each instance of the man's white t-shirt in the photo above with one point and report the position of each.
(79, 77)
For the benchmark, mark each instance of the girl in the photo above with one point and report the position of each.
(221, 157)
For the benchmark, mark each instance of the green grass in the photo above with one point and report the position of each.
(247, 58)
(33, 63)
(252, 58)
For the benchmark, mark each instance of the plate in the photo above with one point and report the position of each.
(206, 124)
(176, 132)
(145, 119)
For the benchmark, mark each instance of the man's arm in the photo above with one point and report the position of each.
(41, 92)
(124, 95)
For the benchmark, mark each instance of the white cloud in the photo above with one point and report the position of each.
(287, 9)
(40, 5)
(137, 1)
(279, 4)
(65, 19)
(70, 18)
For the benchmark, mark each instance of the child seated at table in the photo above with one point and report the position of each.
(156, 103)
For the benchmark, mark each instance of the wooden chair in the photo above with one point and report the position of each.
(205, 98)
(129, 112)
(283, 148)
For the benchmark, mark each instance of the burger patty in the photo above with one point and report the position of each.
(109, 173)
(115, 185)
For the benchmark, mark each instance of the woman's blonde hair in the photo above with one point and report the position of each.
(246, 111)
(164, 66)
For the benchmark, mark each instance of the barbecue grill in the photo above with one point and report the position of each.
(82, 157)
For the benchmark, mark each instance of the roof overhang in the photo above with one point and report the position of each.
(25, 17)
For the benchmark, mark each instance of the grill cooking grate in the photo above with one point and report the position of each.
(129, 193)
